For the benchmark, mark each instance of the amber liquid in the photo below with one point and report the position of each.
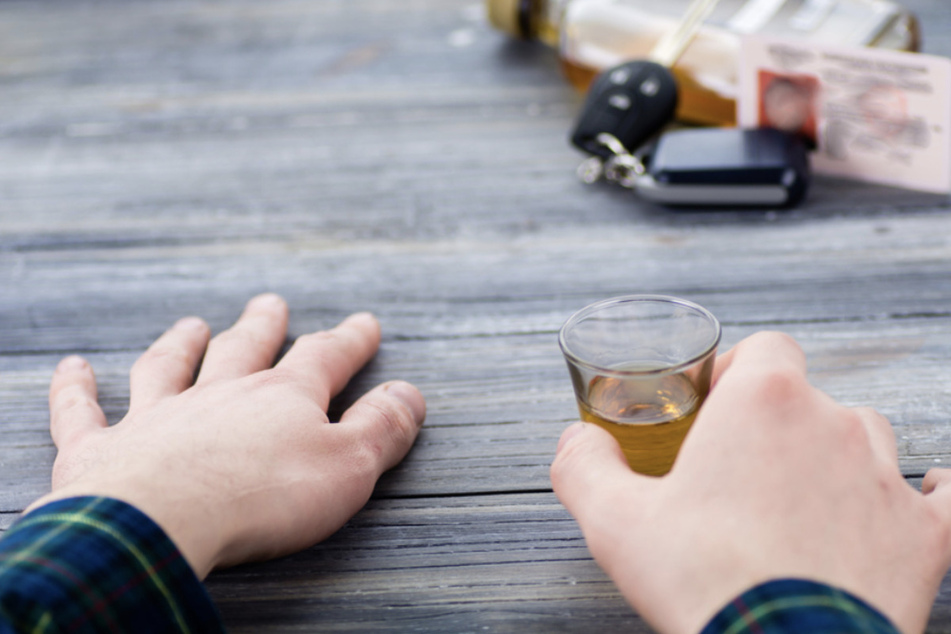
(594, 35)
(649, 416)
(696, 104)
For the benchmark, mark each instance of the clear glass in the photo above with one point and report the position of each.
(641, 367)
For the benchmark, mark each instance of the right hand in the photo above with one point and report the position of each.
(774, 480)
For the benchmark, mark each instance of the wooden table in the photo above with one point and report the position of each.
(168, 157)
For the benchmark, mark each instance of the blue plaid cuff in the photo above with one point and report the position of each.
(92, 564)
(797, 605)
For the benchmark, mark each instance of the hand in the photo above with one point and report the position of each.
(774, 480)
(242, 462)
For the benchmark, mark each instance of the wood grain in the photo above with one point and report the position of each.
(159, 159)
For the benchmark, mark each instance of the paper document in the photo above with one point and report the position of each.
(874, 115)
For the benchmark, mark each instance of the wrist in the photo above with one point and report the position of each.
(798, 605)
(192, 527)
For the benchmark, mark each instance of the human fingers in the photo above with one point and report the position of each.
(775, 350)
(881, 436)
(168, 366)
(722, 363)
(934, 479)
(386, 421)
(762, 372)
(344, 463)
(74, 410)
(593, 481)
(936, 486)
(251, 344)
(324, 362)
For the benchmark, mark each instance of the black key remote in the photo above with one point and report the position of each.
(632, 102)
(718, 167)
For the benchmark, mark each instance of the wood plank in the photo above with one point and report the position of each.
(514, 562)
(165, 158)
(759, 273)
(439, 565)
(434, 565)
(257, 126)
(497, 405)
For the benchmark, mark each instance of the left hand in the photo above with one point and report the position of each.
(242, 462)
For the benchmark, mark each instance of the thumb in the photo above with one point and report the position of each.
(591, 477)
(935, 479)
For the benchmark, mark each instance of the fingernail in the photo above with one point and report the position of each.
(570, 433)
(190, 323)
(72, 363)
(267, 300)
(410, 397)
(366, 316)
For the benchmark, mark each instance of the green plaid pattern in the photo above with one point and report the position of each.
(92, 564)
(796, 605)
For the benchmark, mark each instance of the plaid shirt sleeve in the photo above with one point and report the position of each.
(796, 605)
(92, 564)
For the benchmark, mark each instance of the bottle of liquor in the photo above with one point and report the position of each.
(591, 35)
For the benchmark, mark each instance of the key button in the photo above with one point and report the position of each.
(619, 76)
(650, 86)
(620, 101)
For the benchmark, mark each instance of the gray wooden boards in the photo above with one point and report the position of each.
(159, 159)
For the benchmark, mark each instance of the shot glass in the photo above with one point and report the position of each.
(641, 367)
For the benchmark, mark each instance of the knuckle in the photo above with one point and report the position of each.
(321, 347)
(870, 414)
(72, 402)
(393, 431)
(322, 339)
(852, 428)
(395, 419)
(780, 385)
(329, 349)
(364, 458)
(774, 338)
(267, 379)
(68, 410)
(280, 386)
(242, 338)
(368, 455)
(876, 422)
(851, 420)
(164, 356)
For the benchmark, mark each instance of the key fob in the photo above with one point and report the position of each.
(632, 102)
(717, 167)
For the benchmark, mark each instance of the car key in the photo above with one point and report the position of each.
(630, 103)
(725, 167)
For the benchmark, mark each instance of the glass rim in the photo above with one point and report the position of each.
(578, 315)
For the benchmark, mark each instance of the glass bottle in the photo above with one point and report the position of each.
(591, 35)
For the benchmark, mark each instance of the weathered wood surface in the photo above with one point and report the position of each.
(162, 158)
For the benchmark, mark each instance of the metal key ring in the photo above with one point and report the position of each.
(623, 168)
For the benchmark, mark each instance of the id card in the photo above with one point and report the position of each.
(873, 115)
